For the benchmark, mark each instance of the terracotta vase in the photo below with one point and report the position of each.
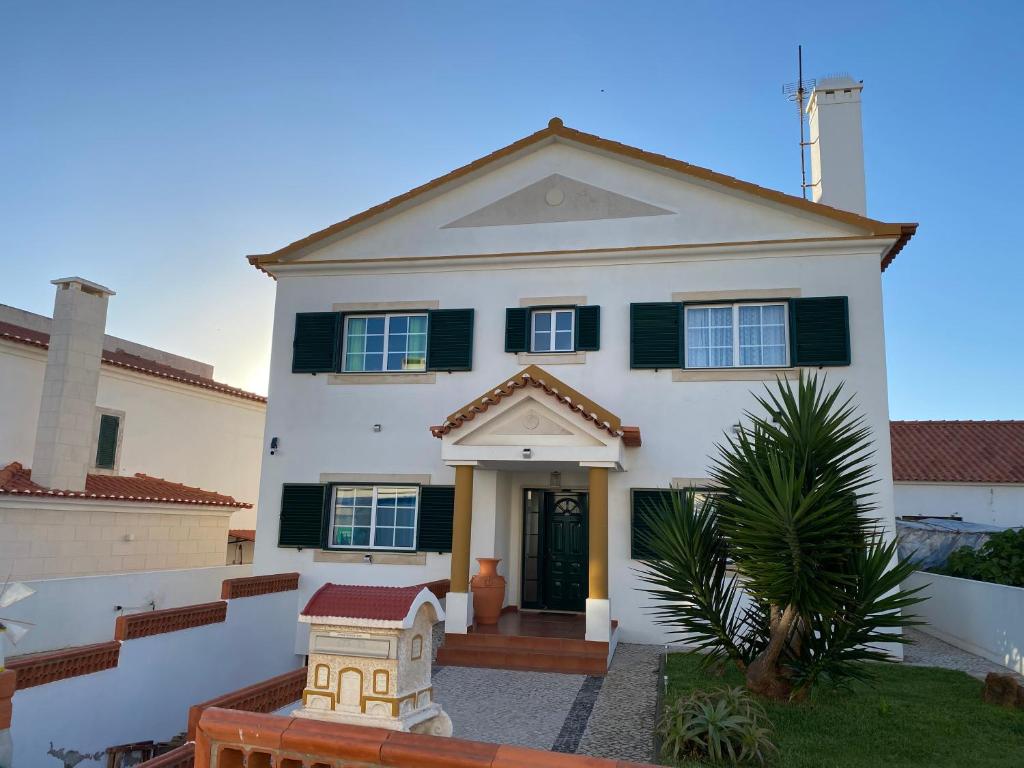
(488, 591)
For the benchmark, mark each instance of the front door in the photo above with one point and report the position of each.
(555, 550)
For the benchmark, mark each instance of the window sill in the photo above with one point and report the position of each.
(734, 374)
(551, 358)
(380, 557)
(426, 377)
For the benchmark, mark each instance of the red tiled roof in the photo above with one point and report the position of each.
(15, 479)
(245, 534)
(958, 451)
(123, 359)
(354, 602)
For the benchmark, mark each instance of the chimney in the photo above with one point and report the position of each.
(837, 144)
(65, 446)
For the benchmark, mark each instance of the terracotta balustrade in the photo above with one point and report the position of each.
(439, 588)
(267, 696)
(136, 625)
(251, 586)
(182, 757)
(41, 668)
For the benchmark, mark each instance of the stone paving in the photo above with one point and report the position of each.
(928, 651)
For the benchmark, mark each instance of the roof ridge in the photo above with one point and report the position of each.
(957, 421)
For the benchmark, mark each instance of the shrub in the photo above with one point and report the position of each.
(999, 560)
(719, 726)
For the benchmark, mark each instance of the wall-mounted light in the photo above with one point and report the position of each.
(527, 453)
(556, 479)
(273, 445)
(377, 427)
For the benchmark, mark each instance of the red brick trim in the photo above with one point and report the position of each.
(7, 687)
(251, 586)
(304, 742)
(267, 696)
(438, 588)
(182, 757)
(41, 668)
(136, 625)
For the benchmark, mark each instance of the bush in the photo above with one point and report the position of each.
(719, 726)
(999, 560)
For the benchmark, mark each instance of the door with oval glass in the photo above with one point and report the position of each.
(555, 550)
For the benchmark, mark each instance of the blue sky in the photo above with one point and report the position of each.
(150, 146)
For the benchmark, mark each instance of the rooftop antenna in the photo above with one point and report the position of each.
(797, 92)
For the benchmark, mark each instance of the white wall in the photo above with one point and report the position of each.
(984, 619)
(990, 504)
(178, 432)
(80, 611)
(157, 679)
(327, 427)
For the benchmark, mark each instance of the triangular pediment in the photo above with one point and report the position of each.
(529, 420)
(557, 198)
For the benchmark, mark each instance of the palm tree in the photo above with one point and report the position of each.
(813, 587)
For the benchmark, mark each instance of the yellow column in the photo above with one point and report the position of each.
(598, 528)
(461, 524)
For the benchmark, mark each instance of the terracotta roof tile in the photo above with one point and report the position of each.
(123, 359)
(958, 451)
(356, 602)
(15, 479)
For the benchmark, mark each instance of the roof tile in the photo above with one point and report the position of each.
(958, 451)
(356, 602)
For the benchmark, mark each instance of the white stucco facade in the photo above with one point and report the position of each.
(989, 503)
(714, 243)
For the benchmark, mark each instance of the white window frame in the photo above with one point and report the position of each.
(552, 311)
(735, 306)
(373, 518)
(387, 333)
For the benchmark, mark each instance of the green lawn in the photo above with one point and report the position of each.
(912, 716)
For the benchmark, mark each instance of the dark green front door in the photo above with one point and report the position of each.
(565, 551)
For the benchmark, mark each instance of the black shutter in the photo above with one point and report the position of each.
(316, 343)
(588, 328)
(437, 507)
(655, 335)
(450, 340)
(302, 515)
(517, 329)
(819, 328)
(645, 502)
(106, 445)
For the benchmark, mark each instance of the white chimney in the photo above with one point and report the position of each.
(837, 144)
(65, 446)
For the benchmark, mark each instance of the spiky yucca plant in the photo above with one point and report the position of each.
(814, 586)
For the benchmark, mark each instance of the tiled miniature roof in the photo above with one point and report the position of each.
(245, 534)
(15, 479)
(123, 359)
(958, 451)
(355, 602)
(536, 377)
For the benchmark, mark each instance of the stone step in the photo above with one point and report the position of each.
(483, 641)
(526, 660)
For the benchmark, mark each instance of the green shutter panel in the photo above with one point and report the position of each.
(302, 515)
(450, 340)
(106, 446)
(588, 328)
(517, 329)
(656, 335)
(820, 330)
(645, 502)
(437, 508)
(316, 342)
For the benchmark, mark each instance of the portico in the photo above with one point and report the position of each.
(517, 440)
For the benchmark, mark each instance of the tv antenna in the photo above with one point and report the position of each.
(797, 92)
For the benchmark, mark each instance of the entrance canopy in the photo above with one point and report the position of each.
(533, 417)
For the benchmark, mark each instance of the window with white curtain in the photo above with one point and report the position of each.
(742, 335)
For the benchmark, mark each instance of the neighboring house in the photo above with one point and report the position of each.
(90, 427)
(241, 543)
(515, 359)
(973, 470)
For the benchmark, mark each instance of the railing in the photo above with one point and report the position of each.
(136, 625)
(47, 667)
(251, 586)
(268, 696)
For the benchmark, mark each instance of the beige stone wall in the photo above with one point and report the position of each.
(44, 540)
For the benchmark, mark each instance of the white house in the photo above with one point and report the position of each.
(973, 470)
(106, 447)
(511, 360)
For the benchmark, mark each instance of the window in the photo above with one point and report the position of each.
(736, 335)
(385, 343)
(107, 441)
(373, 517)
(552, 330)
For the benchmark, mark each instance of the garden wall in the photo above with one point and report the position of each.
(982, 618)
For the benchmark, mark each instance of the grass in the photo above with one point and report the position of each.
(910, 716)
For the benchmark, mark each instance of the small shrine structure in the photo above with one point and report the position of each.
(369, 658)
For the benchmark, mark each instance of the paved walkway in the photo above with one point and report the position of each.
(928, 651)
